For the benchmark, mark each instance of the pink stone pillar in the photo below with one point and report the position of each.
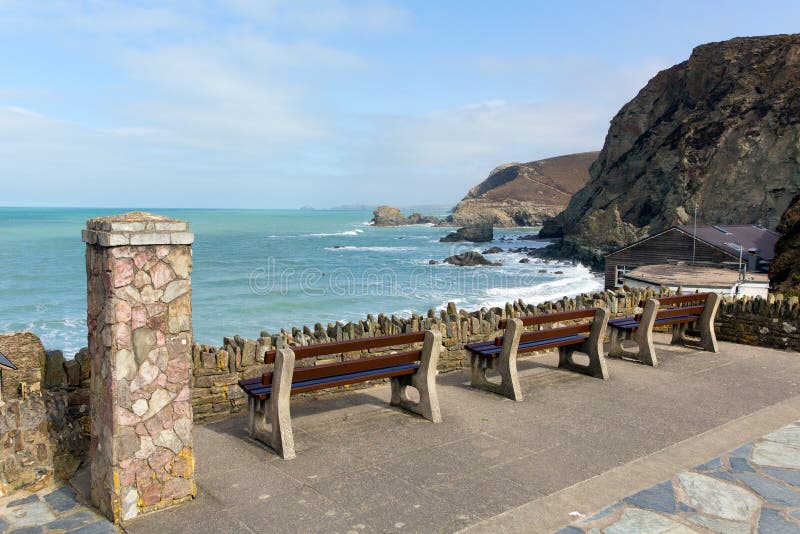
(139, 316)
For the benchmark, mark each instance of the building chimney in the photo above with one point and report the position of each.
(752, 260)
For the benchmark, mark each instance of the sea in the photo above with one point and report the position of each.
(263, 270)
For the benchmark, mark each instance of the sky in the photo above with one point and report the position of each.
(273, 104)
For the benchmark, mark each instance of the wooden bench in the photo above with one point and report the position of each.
(501, 353)
(678, 312)
(268, 395)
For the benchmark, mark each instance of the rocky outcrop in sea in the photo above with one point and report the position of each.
(478, 233)
(390, 216)
(470, 259)
(720, 131)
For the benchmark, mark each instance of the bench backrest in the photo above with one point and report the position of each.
(302, 374)
(678, 299)
(339, 347)
(547, 318)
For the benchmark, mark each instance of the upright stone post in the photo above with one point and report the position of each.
(139, 318)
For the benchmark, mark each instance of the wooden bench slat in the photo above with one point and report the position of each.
(338, 347)
(675, 312)
(349, 366)
(546, 318)
(565, 341)
(479, 345)
(678, 299)
(551, 333)
(339, 380)
(542, 344)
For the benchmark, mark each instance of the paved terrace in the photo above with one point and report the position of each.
(574, 446)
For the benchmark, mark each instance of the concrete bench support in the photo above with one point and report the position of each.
(277, 432)
(505, 364)
(424, 381)
(642, 336)
(705, 326)
(592, 347)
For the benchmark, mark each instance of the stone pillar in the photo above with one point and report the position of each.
(139, 318)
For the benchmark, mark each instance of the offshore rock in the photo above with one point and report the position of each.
(480, 233)
(389, 216)
(720, 131)
(469, 259)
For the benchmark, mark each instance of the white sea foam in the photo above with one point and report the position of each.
(346, 232)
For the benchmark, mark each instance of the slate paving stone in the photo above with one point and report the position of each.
(3, 525)
(720, 525)
(710, 465)
(742, 452)
(773, 492)
(62, 499)
(683, 507)
(28, 530)
(740, 465)
(790, 476)
(26, 500)
(570, 530)
(99, 527)
(722, 475)
(660, 498)
(772, 522)
(73, 521)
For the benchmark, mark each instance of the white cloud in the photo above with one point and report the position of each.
(325, 15)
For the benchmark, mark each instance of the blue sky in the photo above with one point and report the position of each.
(271, 104)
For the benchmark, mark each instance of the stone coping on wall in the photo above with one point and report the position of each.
(136, 228)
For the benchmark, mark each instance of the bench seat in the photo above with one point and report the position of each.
(630, 323)
(493, 350)
(254, 387)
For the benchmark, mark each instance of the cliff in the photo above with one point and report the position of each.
(720, 131)
(784, 272)
(524, 194)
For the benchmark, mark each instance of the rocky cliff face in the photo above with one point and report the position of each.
(524, 194)
(720, 130)
(784, 273)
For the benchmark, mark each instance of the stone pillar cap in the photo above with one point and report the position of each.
(136, 228)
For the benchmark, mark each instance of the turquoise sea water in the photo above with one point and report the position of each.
(270, 269)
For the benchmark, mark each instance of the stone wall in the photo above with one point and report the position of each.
(43, 431)
(767, 323)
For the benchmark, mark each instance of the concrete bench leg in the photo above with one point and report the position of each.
(506, 364)
(592, 347)
(708, 338)
(277, 434)
(424, 381)
(644, 334)
(679, 334)
(616, 336)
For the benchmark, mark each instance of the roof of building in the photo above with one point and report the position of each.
(729, 236)
(725, 238)
(6, 362)
(688, 275)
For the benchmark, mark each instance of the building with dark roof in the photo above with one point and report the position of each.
(720, 246)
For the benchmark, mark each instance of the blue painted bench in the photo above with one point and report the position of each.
(501, 353)
(677, 311)
(269, 419)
